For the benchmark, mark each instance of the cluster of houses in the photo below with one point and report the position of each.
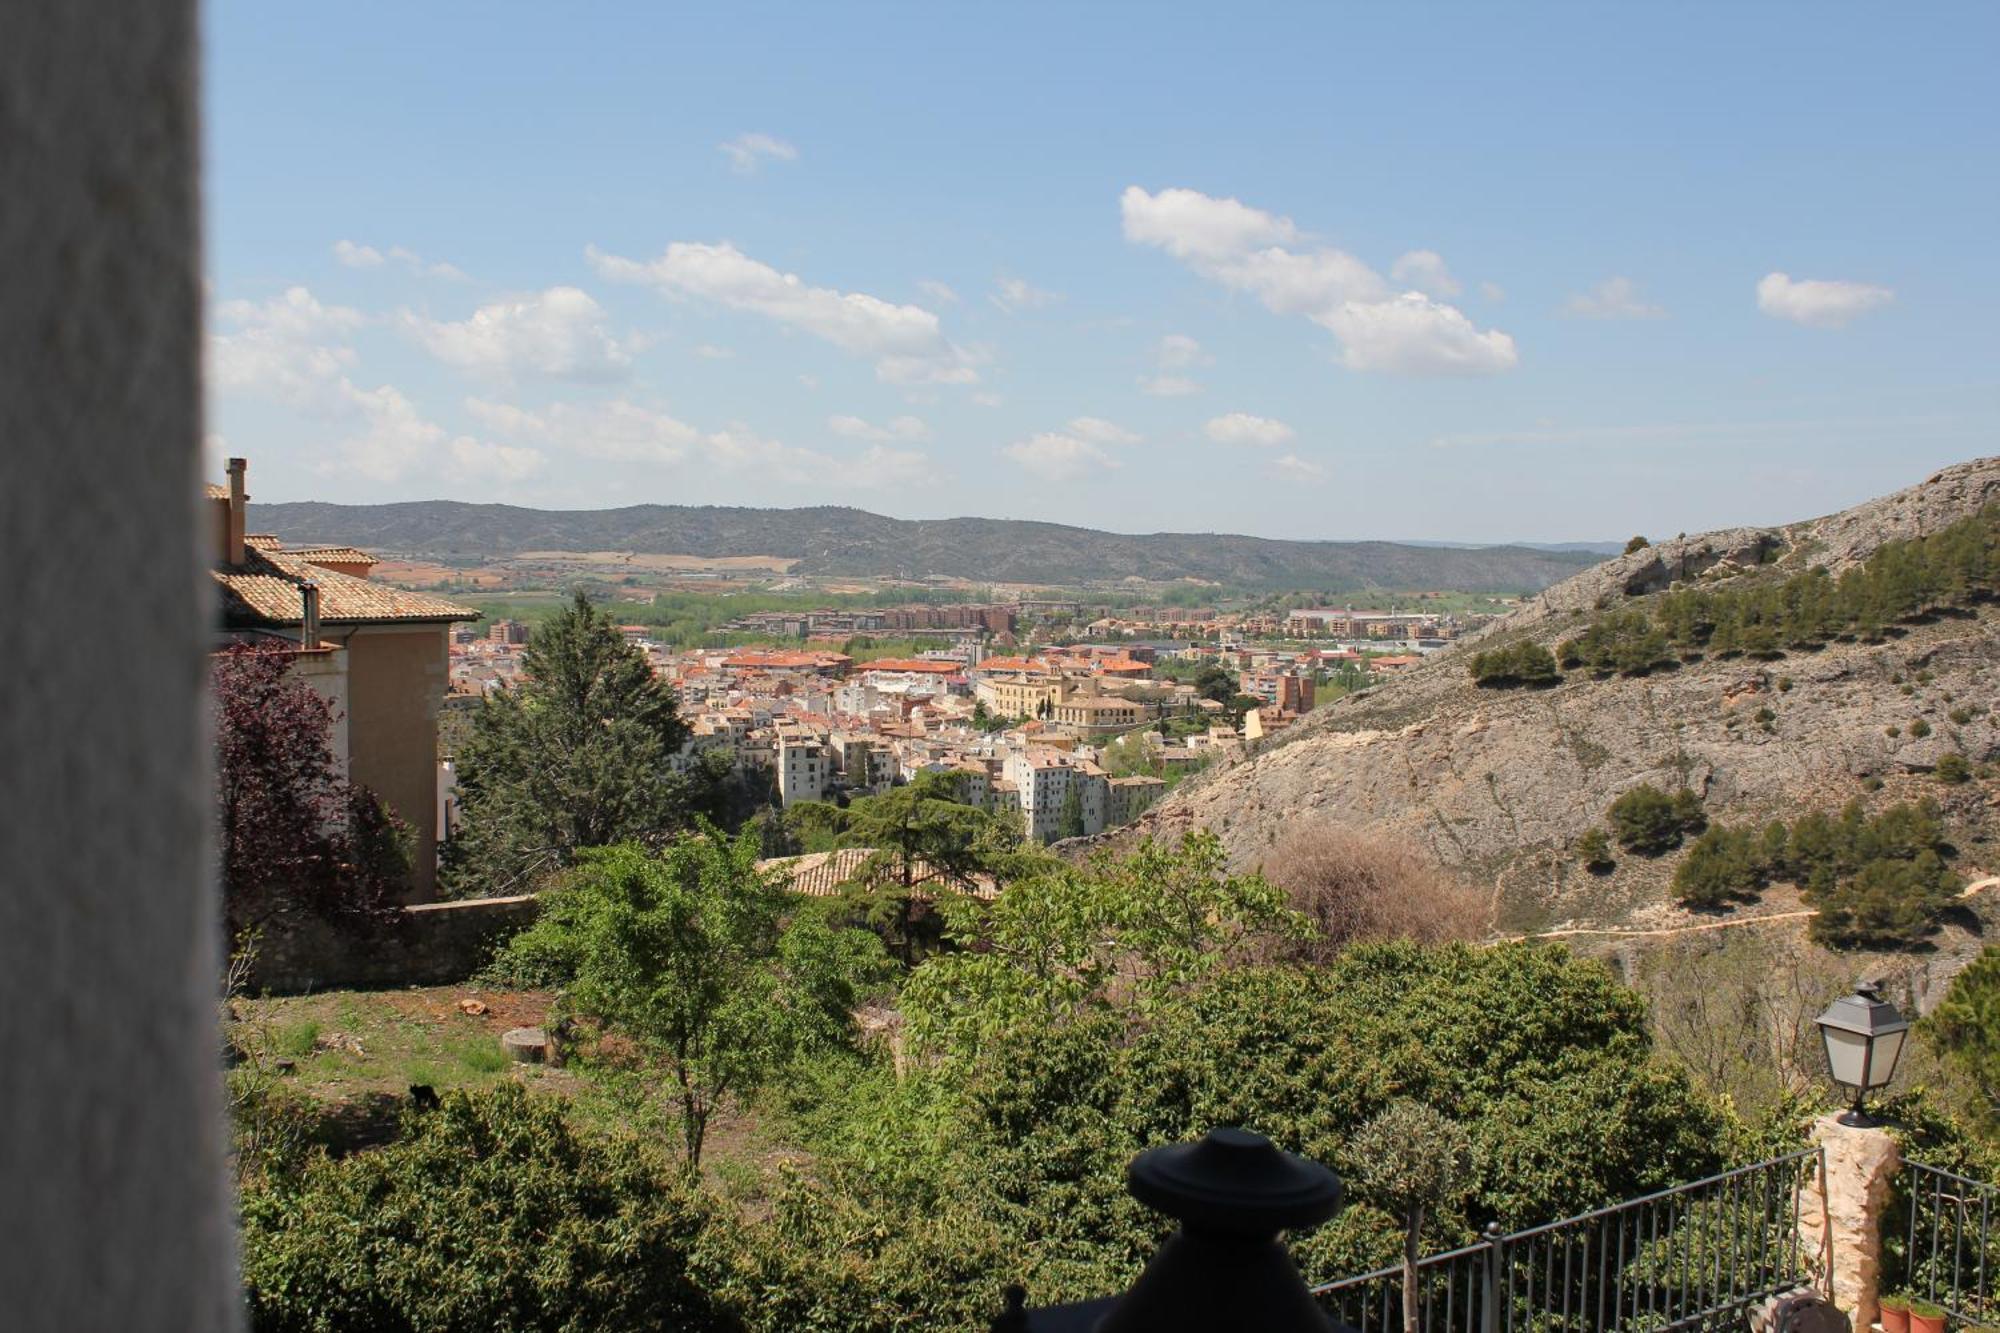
(1026, 733)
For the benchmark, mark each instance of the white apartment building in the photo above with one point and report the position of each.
(802, 770)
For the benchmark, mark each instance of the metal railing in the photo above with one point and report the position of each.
(1691, 1257)
(1951, 1255)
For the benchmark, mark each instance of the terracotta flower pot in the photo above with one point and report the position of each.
(1926, 1323)
(1895, 1318)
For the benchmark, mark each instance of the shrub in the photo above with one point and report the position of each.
(1593, 849)
(1723, 864)
(1961, 715)
(1646, 821)
(1523, 663)
(490, 1213)
(1784, 684)
(1920, 728)
(1636, 544)
(1354, 886)
(1952, 769)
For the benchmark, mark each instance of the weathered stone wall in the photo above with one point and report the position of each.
(430, 944)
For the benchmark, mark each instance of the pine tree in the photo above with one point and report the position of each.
(578, 755)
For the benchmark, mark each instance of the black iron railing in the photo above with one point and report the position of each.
(1951, 1255)
(1691, 1257)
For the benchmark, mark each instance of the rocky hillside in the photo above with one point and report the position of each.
(829, 540)
(1499, 784)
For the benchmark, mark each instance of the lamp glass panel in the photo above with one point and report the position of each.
(1887, 1047)
(1846, 1055)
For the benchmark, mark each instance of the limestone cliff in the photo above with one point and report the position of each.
(1499, 784)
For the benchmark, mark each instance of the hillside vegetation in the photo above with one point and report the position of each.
(1766, 673)
(828, 540)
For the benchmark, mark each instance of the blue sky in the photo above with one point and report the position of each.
(1456, 272)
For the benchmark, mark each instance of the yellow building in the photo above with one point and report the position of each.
(379, 653)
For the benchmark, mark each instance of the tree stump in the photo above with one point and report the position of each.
(527, 1046)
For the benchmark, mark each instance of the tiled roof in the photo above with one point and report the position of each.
(827, 874)
(216, 492)
(265, 591)
(336, 555)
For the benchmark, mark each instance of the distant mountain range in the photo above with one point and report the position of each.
(828, 540)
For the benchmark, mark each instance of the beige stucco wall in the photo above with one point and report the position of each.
(396, 679)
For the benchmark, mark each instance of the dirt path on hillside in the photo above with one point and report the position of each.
(1628, 932)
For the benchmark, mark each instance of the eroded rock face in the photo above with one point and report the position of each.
(1498, 784)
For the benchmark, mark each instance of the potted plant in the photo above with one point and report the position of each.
(1896, 1313)
(1926, 1317)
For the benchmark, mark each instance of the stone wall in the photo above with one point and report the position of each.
(430, 944)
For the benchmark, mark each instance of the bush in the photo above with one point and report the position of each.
(1523, 663)
(1636, 544)
(1920, 728)
(1647, 821)
(1355, 886)
(490, 1213)
(1593, 849)
(1952, 769)
(1723, 864)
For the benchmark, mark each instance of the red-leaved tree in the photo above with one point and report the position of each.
(297, 838)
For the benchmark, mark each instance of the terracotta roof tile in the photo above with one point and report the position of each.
(338, 555)
(265, 591)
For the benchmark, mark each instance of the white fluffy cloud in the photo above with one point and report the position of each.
(621, 431)
(1248, 250)
(900, 428)
(1176, 352)
(1414, 335)
(747, 152)
(357, 256)
(561, 333)
(354, 255)
(292, 348)
(1099, 431)
(1615, 298)
(1240, 428)
(1825, 303)
(1054, 456)
(1017, 294)
(1426, 271)
(393, 441)
(905, 342)
(1077, 450)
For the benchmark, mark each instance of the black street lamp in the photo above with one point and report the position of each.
(1233, 1192)
(1864, 1038)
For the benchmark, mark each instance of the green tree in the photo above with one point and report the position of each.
(1069, 818)
(686, 952)
(1646, 821)
(927, 842)
(1965, 1027)
(1723, 864)
(1413, 1161)
(1070, 940)
(578, 755)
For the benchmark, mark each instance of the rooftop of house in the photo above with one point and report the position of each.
(264, 590)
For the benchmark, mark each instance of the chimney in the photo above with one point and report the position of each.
(309, 622)
(233, 552)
